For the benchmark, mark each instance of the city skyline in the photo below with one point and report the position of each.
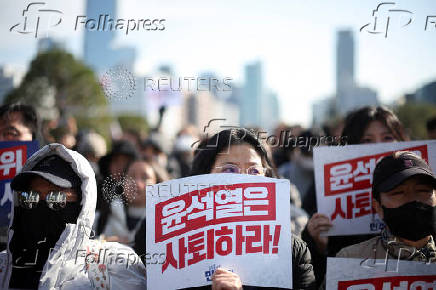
(295, 43)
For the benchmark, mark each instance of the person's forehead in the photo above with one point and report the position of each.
(239, 152)
(13, 117)
(376, 125)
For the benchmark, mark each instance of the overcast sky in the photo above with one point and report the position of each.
(295, 40)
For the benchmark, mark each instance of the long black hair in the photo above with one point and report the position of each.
(357, 121)
(206, 153)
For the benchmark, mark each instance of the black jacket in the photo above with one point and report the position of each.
(302, 269)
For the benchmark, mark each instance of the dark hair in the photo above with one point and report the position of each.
(431, 124)
(30, 118)
(357, 121)
(206, 153)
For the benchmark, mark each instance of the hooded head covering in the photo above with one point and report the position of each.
(68, 228)
(66, 266)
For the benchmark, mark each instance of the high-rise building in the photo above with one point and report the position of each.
(344, 61)
(349, 95)
(270, 110)
(98, 43)
(427, 93)
(252, 95)
(194, 113)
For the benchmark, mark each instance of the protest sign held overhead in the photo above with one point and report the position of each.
(343, 178)
(235, 221)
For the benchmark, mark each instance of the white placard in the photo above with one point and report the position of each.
(234, 221)
(353, 274)
(343, 177)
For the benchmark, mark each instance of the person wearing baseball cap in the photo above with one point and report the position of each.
(404, 196)
(50, 237)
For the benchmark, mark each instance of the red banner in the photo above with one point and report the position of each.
(356, 174)
(11, 161)
(385, 283)
(214, 205)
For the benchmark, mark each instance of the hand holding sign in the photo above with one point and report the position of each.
(223, 279)
(317, 224)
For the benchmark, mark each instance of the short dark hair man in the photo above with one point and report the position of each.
(18, 122)
(50, 239)
(404, 196)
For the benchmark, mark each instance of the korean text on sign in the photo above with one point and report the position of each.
(214, 205)
(238, 239)
(350, 181)
(235, 221)
(11, 161)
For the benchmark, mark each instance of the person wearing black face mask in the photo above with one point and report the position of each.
(404, 196)
(48, 197)
(50, 238)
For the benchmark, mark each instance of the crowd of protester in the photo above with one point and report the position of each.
(112, 206)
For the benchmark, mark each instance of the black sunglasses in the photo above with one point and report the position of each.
(55, 200)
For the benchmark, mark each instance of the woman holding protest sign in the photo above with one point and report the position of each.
(363, 126)
(238, 150)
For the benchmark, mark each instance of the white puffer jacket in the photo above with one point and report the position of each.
(78, 261)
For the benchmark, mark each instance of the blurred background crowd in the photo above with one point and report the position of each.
(95, 102)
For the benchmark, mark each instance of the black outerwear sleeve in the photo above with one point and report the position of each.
(303, 276)
(319, 260)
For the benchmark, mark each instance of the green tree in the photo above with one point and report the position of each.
(137, 123)
(414, 116)
(56, 80)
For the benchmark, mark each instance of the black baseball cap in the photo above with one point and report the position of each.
(394, 169)
(53, 169)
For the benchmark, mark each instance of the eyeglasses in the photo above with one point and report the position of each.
(55, 200)
(232, 168)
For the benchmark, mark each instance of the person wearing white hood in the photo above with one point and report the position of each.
(50, 239)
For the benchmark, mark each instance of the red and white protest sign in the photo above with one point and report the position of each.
(11, 161)
(353, 274)
(343, 177)
(234, 221)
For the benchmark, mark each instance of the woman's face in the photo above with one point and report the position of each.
(377, 133)
(143, 174)
(239, 159)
